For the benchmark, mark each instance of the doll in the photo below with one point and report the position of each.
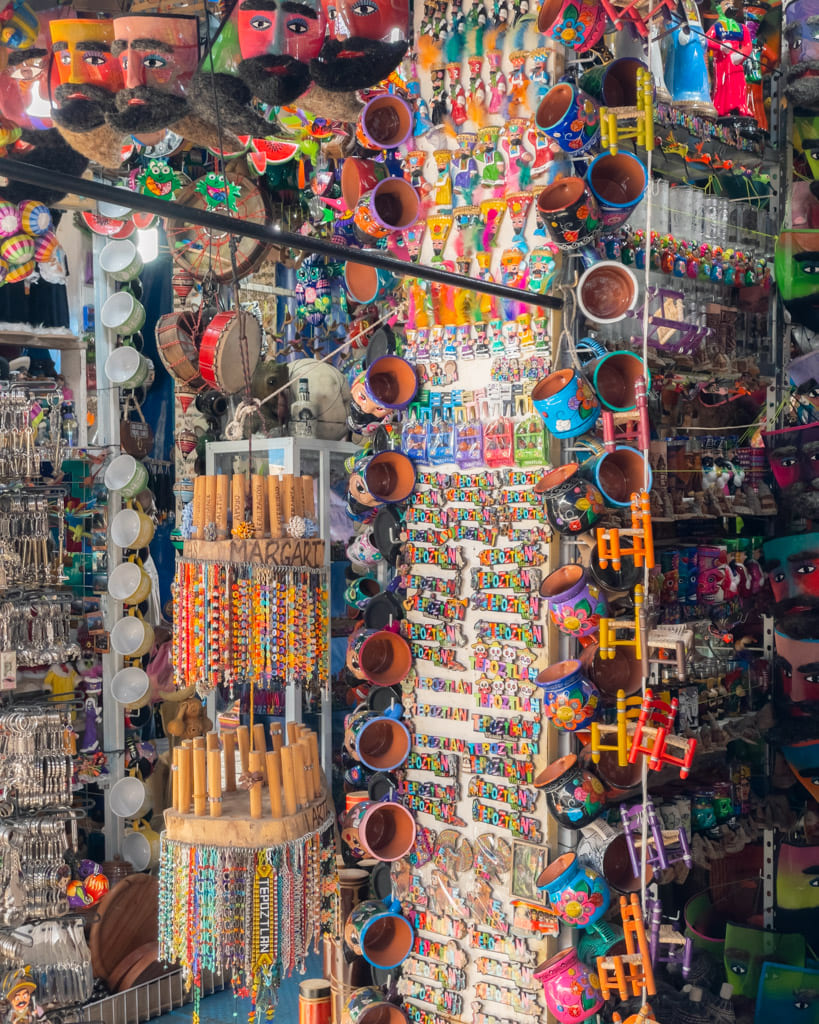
(730, 45)
(497, 81)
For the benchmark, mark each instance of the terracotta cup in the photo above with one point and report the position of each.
(368, 284)
(379, 933)
(381, 742)
(385, 657)
(607, 291)
(369, 1006)
(391, 382)
(393, 205)
(570, 117)
(574, 795)
(385, 123)
(618, 182)
(359, 176)
(606, 850)
(576, 604)
(572, 990)
(622, 672)
(390, 476)
(579, 24)
(613, 84)
(567, 403)
(614, 377)
(618, 475)
(573, 504)
(570, 699)
(570, 213)
(577, 893)
(387, 831)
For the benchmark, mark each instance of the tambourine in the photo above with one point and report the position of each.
(221, 360)
(176, 335)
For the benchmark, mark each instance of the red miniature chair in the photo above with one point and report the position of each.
(654, 724)
(628, 427)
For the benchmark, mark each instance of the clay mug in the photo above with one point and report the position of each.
(378, 932)
(618, 474)
(359, 176)
(574, 795)
(614, 378)
(573, 504)
(605, 849)
(576, 604)
(579, 24)
(570, 213)
(569, 116)
(385, 123)
(567, 403)
(571, 990)
(393, 205)
(607, 291)
(380, 741)
(618, 182)
(613, 84)
(570, 699)
(576, 893)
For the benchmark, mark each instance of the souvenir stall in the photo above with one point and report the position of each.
(407, 416)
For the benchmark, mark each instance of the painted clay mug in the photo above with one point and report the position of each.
(618, 182)
(576, 605)
(567, 403)
(571, 990)
(574, 795)
(576, 893)
(380, 741)
(378, 932)
(570, 117)
(573, 505)
(570, 699)
(579, 24)
(570, 213)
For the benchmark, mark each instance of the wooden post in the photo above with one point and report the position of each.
(306, 758)
(222, 484)
(256, 763)
(257, 498)
(274, 782)
(210, 500)
(274, 505)
(237, 499)
(229, 743)
(308, 498)
(298, 771)
(289, 781)
(292, 732)
(260, 744)
(315, 761)
(212, 740)
(243, 739)
(276, 735)
(184, 790)
(200, 785)
(215, 783)
(199, 507)
(175, 779)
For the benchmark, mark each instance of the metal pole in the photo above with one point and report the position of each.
(18, 170)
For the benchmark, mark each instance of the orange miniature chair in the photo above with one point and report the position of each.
(628, 975)
(645, 1016)
(609, 548)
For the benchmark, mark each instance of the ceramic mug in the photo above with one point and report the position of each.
(618, 475)
(385, 831)
(131, 687)
(579, 24)
(571, 990)
(129, 583)
(574, 795)
(393, 205)
(359, 176)
(605, 849)
(123, 314)
(368, 284)
(140, 846)
(569, 116)
(614, 378)
(613, 84)
(380, 741)
(131, 529)
(378, 932)
(567, 403)
(127, 368)
(391, 382)
(382, 656)
(128, 798)
(368, 1006)
(618, 182)
(570, 213)
(126, 475)
(607, 291)
(573, 505)
(570, 699)
(120, 260)
(385, 123)
(132, 637)
(576, 605)
(576, 893)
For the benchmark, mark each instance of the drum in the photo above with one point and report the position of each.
(176, 344)
(221, 360)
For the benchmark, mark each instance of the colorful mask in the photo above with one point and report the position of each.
(793, 567)
(87, 70)
(24, 80)
(796, 262)
(366, 42)
(806, 141)
(747, 949)
(797, 667)
(158, 56)
(787, 994)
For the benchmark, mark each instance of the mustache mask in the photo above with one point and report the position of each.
(81, 114)
(156, 110)
(355, 63)
(276, 79)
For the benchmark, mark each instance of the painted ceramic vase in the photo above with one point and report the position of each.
(379, 933)
(567, 403)
(579, 24)
(570, 117)
(570, 213)
(618, 182)
(574, 795)
(570, 699)
(572, 991)
(576, 605)
(573, 505)
(576, 893)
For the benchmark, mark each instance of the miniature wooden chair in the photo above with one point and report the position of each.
(609, 548)
(653, 737)
(664, 846)
(628, 427)
(630, 973)
(677, 638)
(679, 948)
(614, 127)
(627, 711)
(609, 628)
(644, 1016)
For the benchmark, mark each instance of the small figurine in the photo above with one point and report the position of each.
(730, 45)
(18, 994)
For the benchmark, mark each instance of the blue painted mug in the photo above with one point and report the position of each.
(576, 893)
(567, 403)
(618, 182)
(569, 116)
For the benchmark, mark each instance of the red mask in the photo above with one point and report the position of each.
(366, 42)
(277, 40)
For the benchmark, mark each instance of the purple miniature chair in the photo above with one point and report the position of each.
(665, 846)
(679, 949)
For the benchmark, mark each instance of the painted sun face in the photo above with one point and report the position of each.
(83, 56)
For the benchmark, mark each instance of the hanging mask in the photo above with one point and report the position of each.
(788, 994)
(796, 264)
(366, 41)
(806, 141)
(87, 70)
(797, 667)
(158, 55)
(792, 564)
(797, 878)
(747, 949)
(803, 761)
(24, 88)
